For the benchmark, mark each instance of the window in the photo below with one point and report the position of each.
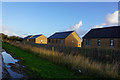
(111, 43)
(48, 40)
(61, 41)
(41, 40)
(56, 40)
(52, 40)
(72, 41)
(98, 43)
(88, 42)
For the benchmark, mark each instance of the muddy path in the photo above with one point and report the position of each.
(11, 67)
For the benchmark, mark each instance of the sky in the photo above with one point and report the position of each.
(26, 18)
(60, 0)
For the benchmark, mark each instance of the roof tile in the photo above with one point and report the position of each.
(60, 35)
(106, 32)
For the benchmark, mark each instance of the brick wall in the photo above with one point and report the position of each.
(104, 43)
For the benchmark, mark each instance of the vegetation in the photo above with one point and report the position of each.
(74, 62)
(11, 38)
(37, 67)
(106, 55)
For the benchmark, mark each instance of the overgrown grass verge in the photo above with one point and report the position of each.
(75, 62)
(37, 67)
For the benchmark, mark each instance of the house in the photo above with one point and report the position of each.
(27, 38)
(39, 39)
(68, 38)
(108, 37)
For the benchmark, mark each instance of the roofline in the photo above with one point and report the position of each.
(101, 38)
(56, 38)
(75, 32)
(99, 28)
(35, 35)
(28, 36)
(87, 33)
(65, 31)
(105, 27)
(60, 32)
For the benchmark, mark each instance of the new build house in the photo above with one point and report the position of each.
(68, 38)
(27, 38)
(108, 37)
(39, 39)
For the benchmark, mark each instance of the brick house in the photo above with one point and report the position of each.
(39, 39)
(27, 38)
(108, 37)
(68, 38)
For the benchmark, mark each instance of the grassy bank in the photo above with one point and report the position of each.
(75, 63)
(38, 67)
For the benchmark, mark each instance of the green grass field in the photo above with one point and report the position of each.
(37, 67)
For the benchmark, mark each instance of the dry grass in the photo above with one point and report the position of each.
(75, 62)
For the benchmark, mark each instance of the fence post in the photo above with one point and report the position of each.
(24, 42)
(53, 50)
(53, 53)
(111, 60)
(85, 51)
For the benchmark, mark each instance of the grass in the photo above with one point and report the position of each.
(75, 62)
(102, 55)
(38, 67)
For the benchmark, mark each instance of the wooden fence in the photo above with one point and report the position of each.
(97, 54)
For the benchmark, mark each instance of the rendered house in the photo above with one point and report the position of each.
(39, 39)
(108, 37)
(68, 38)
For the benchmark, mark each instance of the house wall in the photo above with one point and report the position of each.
(56, 41)
(73, 40)
(27, 40)
(117, 43)
(31, 40)
(105, 43)
(41, 40)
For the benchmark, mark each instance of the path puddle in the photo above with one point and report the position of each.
(8, 60)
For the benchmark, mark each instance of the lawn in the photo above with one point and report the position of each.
(37, 67)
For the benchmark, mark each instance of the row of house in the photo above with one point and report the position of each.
(38, 39)
(68, 38)
(108, 37)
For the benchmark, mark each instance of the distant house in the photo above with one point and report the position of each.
(27, 38)
(108, 37)
(68, 38)
(39, 39)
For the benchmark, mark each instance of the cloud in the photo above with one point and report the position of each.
(8, 31)
(76, 27)
(24, 35)
(110, 20)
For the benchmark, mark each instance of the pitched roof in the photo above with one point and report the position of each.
(35, 36)
(60, 35)
(27, 37)
(107, 32)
